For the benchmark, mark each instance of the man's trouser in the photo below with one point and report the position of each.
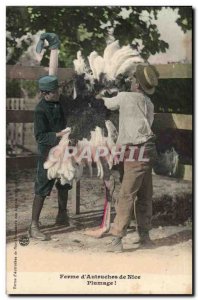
(136, 193)
(44, 186)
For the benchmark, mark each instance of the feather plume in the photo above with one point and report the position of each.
(110, 50)
(79, 64)
(98, 64)
(93, 55)
(118, 58)
(128, 65)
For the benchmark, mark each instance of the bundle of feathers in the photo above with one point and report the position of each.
(109, 73)
(66, 168)
(88, 120)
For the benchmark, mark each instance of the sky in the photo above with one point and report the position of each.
(180, 44)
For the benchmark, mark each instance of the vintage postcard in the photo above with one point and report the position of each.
(99, 104)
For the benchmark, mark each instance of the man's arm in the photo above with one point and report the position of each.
(150, 112)
(40, 130)
(111, 103)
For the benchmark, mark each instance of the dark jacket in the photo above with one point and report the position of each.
(48, 119)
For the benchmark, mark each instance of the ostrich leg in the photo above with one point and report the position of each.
(53, 63)
(109, 184)
(109, 189)
(54, 44)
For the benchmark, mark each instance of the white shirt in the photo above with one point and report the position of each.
(136, 115)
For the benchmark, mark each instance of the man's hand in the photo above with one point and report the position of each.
(63, 132)
(98, 97)
(60, 134)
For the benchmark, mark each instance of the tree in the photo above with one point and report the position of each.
(87, 28)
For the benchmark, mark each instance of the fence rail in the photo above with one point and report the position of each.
(19, 116)
(173, 121)
(21, 162)
(33, 73)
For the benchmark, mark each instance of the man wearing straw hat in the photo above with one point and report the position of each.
(136, 114)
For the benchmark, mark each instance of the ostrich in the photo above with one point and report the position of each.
(88, 120)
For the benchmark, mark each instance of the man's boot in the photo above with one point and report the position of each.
(34, 230)
(144, 238)
(115, 245)
(62, 217)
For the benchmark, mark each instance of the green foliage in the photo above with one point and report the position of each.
(79, 28)
(185, 18)
(15, 88)
(31, 87)
(17, 20)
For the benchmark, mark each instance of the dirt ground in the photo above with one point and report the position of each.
(171, 255)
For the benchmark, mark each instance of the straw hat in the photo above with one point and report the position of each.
(147, 76)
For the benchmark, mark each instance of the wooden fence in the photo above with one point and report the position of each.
(162, 120)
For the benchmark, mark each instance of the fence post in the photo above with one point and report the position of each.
(76, 197)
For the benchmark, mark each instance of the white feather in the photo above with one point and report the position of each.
(100, 169)
(52, 172)
(74, 93)
(63, 180)
(112, 133)
(91, 59)
(79, 64)
(121, 51)
(118, 58)
(128, 65)
(48, 164)
(98, 64)
(110, 50)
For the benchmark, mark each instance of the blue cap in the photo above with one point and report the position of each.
(48, 83)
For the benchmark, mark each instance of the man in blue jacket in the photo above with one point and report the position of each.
(48, 125)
